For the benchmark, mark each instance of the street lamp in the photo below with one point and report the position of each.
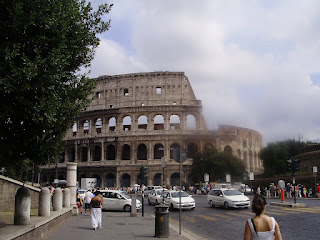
(163, 165)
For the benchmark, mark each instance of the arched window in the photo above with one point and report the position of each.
(98, 125)
(157, 179)
(96, 153)
(142, 152)
(84, 154)
(174, 122)
(228, 149)
(143, 122)
(191, 122)
(111, 152)
(126, 122)
(175, 178)
(158, 151)
(172, 148)
(86, 127)
(112, 124)
(125, 180)
(126, 152)
(158, 122)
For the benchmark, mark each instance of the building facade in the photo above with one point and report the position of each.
(137, 119)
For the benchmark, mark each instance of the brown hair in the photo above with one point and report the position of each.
(258, 204)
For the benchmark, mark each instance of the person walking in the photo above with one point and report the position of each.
(96, 216)
(261, 227)
(79, 202)
(318, 190)
(87, 200)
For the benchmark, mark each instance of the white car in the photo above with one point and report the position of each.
(155, 196)
(117, 200)
(148, 189)
(171, 199)
(227, 197)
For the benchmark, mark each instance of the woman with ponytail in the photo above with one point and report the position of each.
(261, 227)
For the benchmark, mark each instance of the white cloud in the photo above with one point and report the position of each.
(249, 62)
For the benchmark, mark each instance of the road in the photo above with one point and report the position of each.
(218, 223)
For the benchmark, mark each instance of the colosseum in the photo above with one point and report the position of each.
(136, 119)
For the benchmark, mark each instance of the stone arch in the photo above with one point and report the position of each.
(192, 149)
(125, 180)
(158, 151)
(86, 126)
(172, 148)
(158, 122)
(143, 122)
(174, 122)
(208, 146)
(126, 152)
(175, 179)
(126, 123)
(96, 153)
(83, 154)
(110, 180)
(227, 149)
(142, 152)
(112, 123)
(110, 152)
(191, 122)
(98, 125)
(157, 179)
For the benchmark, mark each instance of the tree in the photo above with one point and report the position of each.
(275, 156)
(44, 45)
(216, 164)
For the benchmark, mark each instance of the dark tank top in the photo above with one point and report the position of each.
(95, 203)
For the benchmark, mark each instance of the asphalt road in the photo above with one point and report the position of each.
(218, 223)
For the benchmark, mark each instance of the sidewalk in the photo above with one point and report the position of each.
(116, 225)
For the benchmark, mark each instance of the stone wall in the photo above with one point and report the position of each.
(8, 189)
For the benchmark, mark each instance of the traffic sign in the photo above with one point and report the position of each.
(179, 153)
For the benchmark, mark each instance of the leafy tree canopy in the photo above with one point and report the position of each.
(216, 164)
(43, 47)
(275, 155)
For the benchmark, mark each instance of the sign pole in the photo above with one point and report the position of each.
(180, 167)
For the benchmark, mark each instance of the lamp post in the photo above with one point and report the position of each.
(163, 165)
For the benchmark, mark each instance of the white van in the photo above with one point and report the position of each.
(117, 200)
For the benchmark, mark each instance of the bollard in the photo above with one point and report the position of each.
(44, 202)
(162, 221)
(66, 197)
(133, 206)
(57, 199)
(22, 206)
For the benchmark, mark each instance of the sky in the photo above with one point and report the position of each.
(254, 64)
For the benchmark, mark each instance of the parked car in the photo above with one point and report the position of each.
(155, 196)
(171, 199)
(148, 189)
(117, 200)
(227, 197)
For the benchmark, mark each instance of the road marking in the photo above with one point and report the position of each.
(207, 217)
(274, 212)
(223, 216)
(293, 210)
(190, 219)
(235, 214)
(251, 214)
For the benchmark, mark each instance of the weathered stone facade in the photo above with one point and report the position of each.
(137, 119)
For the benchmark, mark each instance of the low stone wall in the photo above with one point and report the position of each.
(8, 189)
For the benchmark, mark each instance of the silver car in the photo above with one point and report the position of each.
(155, 196)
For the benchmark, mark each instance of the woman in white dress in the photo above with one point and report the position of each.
(261, 227)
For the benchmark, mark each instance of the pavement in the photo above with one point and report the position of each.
(116, 225)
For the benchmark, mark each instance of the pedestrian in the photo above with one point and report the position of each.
(87, 200)
(318, 190)
(258, 190)
(79, 202)
(96, 216)
(261, 226)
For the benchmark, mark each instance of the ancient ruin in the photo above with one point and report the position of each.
(139, 118)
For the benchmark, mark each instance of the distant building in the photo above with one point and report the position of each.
(139, 118)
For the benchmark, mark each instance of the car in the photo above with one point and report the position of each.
(171, 199)
(155, 196)
(148, 189)
(228, 198)
(117, 200)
